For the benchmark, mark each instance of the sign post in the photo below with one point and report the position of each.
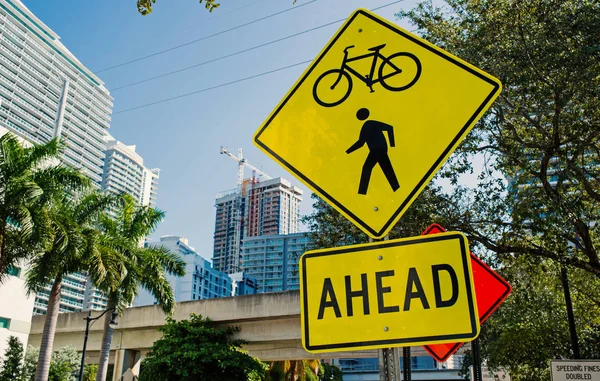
(366, 127)
(406, 369)
(389, 364)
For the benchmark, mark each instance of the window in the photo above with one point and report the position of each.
(4, 322)
(14, 271)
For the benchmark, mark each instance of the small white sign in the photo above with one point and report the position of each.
(567, 370)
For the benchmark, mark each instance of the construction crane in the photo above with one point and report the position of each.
(241, 164)
(237, 207)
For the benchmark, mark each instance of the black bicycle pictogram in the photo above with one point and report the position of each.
(399, 83)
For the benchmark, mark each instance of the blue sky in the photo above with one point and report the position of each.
(182, 137)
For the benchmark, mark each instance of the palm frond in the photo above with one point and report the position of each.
(170, 262)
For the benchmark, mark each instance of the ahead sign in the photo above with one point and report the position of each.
(410, 291)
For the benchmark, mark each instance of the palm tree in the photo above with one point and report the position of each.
(29, 177)
(145, 266)
(72, 245)
(294, 370)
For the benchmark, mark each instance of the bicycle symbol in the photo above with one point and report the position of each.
(400, 82)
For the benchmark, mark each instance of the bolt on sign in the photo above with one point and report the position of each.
(373, 118)
(490, 291)
(411, 291)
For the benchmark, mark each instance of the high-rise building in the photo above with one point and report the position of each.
(273, 260)
(45, 92)
(124, 172)
(72, 294)
(262, 208)
(200, 281)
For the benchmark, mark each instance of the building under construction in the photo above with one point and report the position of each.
(253, 208)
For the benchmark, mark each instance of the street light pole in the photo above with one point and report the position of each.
(89, 319)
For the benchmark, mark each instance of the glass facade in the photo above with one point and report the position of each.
(273, 260)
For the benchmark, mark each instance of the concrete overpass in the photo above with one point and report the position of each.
(270, 323)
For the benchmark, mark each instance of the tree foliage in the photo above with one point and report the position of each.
(330, 373)
(531, 327)
(543, 132)
(29, 178)
(145, 267)
(294, 370)
(145, 6)
(196, 349)
(64, 365)
(10, 364)
(90, 372)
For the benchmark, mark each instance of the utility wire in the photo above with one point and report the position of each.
(242, 51)
(204, 38)
(220, 16)
(231, 82)
(212, 87)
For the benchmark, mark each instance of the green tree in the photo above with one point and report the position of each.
(73, 245)
(330, 373)
(196, 349)
(29, 178)
(145, 267)
(30, 363)
(294, 370)
(145, 6)
(10, 365)
(90, 372)
(543, 131)
(65, 364)
(531, 327)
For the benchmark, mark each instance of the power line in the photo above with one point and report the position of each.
(204, 38)
(231, 82)
(212, 87)
(242, 51)
(220, 16)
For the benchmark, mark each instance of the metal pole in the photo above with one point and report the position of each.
(85, 339)
(570, 315)
(407, 365)
(389, 364)
(476, 350)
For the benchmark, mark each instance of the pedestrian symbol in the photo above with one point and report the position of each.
(373, 118)
(372, 134)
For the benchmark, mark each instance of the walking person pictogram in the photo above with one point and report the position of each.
(371, 133)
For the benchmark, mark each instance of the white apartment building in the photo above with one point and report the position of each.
(200, 281)
(124, 172)
(45, 92)
(15, 309)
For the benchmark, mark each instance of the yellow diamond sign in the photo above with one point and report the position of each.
(373, 118)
